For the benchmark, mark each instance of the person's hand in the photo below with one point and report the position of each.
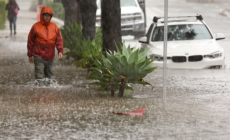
(31, 59)
(60, 56)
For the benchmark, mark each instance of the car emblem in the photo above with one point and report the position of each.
(186, 53)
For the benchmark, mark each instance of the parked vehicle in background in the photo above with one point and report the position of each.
(132, 18)
(191, 44)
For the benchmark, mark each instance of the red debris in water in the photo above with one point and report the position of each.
(138, 112)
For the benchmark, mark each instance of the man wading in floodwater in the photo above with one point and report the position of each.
(42, 39)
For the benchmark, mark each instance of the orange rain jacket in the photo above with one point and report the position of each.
(43, 38)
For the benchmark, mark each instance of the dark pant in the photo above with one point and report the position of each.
(43, 68)
(13, 20)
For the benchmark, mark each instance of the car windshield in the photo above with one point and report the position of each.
(182, 32)
(124, 3)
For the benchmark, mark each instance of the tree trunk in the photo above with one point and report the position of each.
(70, 7)
(112, 89)
(78, 14)
(88, 14)
(122, 87)
(111, 24)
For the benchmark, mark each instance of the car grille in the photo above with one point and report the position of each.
(195, 58)
(129, 18)
(179, 59)
(127, 26)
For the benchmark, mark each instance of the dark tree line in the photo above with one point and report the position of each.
(111, 24)
(88, 15)
(84, 13)
(70, 7)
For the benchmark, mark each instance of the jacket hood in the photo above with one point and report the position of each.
(45, 10)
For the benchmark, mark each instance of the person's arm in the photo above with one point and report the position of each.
(59, 44)
(30, 44)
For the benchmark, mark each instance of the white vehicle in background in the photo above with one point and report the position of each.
(132, 18)
(191, 44)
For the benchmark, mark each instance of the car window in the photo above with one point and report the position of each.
(182, 32)
(99, 4)
(123, 3)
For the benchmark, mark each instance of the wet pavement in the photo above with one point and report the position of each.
(197, 105)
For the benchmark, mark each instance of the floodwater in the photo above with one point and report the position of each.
(197, 106)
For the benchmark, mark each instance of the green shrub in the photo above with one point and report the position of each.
(58, 9)
(3, 13)
(72, 37)
(89, 51)
(84, 52)
(113, 72)
(105, 78)
(122, 67)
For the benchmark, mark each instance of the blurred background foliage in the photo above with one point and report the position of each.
(3, 13)
(33, 6)
(57, 8)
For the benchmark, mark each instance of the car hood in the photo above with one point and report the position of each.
(130, 10)
(125, 10)
(194, 47)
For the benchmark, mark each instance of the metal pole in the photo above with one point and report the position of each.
(165, 50)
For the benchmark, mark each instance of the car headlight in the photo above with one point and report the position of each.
(98, 21)
(214, 55)
(138, 16)
(156, 57)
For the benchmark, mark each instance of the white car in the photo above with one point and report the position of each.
(191, 44)
(132, 18)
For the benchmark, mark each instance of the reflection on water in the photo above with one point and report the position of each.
(197, 106)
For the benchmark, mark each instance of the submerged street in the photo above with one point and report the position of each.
(197, 104)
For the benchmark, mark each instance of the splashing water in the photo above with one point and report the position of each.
(48, 82)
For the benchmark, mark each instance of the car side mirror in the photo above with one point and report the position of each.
(143, 40)
(220, 36)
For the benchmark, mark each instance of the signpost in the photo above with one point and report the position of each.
(165, 50)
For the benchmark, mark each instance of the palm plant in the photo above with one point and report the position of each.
(84, 52)
(72, 37)
(89, 51)
(105, 79)
(122, 67)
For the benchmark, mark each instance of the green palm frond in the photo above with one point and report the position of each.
(126, 62)
(129, 63)
(72, 37)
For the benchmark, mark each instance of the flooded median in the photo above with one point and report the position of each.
(197, 106)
